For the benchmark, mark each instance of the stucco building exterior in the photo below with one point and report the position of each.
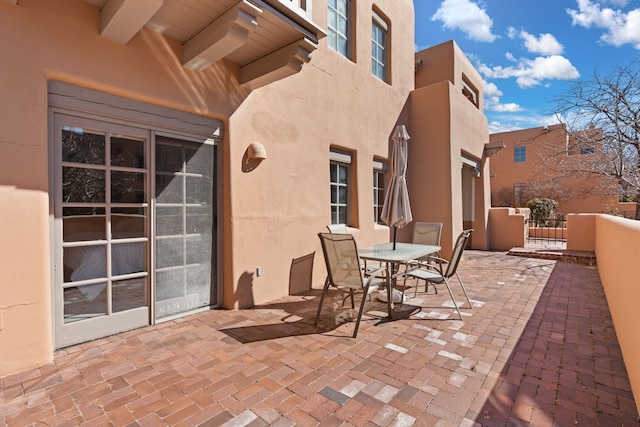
(446, 115)
(536, 162)
(163, 157)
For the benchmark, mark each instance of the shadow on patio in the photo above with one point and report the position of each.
(295, 316)
(566, 367)
(538, 349)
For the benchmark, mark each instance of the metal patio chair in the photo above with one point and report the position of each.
(427, 233)
(344, 271)
(434, 274)
(342, 229)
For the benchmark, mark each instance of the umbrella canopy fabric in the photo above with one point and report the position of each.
(396, 210)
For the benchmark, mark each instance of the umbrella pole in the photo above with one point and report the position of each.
(395, 230)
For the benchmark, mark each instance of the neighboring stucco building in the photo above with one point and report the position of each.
(519, 171)
(159, 158)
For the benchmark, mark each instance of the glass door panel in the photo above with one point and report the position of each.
(184, 226)
(101, 211)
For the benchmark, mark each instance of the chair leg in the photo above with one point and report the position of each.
(446, 282)
(361, 310)
(350, 296)
(426, 287)
(324, 292)
(464, 290)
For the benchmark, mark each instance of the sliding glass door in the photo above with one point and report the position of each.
(134, 226)
(184, 226)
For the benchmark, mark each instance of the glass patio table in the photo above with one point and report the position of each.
(393, 258)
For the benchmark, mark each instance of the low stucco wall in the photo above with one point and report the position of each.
(617, 247)
(581, 232)
(507, 228)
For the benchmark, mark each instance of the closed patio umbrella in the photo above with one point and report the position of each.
(396, 210)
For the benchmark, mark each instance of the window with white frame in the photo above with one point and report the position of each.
(469, 91)
(338, 26)
(302, 7)
(379, 187)
(520, 154)
(340, 182)
(379, 47)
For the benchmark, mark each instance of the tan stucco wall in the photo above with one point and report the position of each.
(270, 216)
(279, 207)
(507, 228)
(430, 193)
(25, 299)
(446, 61)
(581, 232)
(444, 125)
(617, 247)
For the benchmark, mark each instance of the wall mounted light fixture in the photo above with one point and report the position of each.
(253, 156)
(256, 151)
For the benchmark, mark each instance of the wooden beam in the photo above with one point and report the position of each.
(221, 37)
(120, 20)
(279, 64)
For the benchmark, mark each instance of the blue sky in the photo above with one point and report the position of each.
(528, 51)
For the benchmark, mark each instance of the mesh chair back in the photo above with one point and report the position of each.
(341, 258)
(427, 233)
(461, 243)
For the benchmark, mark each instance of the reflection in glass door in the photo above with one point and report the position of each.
(101, 211)
(184, 226)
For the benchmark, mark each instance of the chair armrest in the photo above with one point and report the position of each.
(371, 276)
(418, 264)
(440, 260)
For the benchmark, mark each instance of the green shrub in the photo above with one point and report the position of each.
(542, 210)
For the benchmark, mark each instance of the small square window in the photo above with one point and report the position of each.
(520, 154)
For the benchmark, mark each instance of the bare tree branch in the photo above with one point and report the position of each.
(608, 107)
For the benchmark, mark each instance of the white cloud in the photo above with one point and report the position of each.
(516, 122)
(492, 100)
(531, 72)
(511, 107)
(491, 90)
(546, 44)
(620, 27)
(510, 57)
(496, 126)
(466, 16)
(619, 3)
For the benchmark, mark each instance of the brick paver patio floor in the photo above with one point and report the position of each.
(538, 349)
